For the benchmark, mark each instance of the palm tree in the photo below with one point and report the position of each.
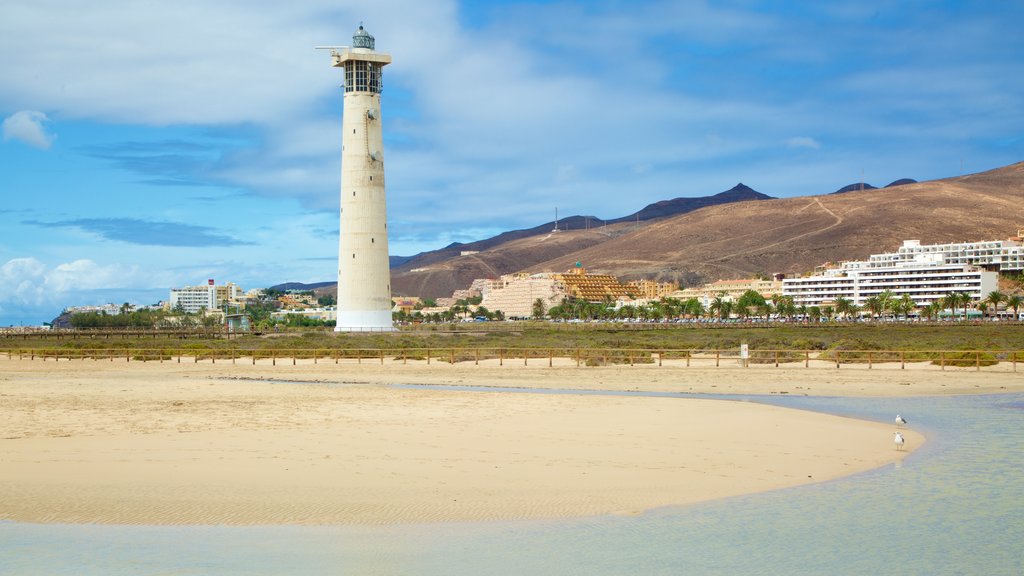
(1015, 302)
(886, 300)
(951, 301)
(721, 306)
(814, 312)
(874, 305)
(995, 298)
(965, 301)
(844, 307)
(693, 308)
(538, 309)
(786, 307)
(904, 305)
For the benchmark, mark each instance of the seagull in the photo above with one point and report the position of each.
(898, 439)
(900, 421)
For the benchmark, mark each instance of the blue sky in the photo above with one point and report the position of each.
(158, 144)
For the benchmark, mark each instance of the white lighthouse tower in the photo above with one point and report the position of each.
(364, 273)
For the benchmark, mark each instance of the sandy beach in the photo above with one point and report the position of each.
(197, 443)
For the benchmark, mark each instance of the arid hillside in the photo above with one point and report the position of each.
(793, 235)
(439, 272)
(790, 235)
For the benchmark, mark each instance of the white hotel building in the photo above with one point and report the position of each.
(927, 273)
(193, 299)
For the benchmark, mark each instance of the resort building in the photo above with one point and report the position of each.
(924, 281)
(591, 287)
(730, 290)
(995, 255)
(325, 314)
(514, 294)
(404, 304)
(209, 297)
(651, 289)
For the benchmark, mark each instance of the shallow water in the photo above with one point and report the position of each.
(956, 506)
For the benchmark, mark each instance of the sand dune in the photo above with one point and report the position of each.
(113, 442)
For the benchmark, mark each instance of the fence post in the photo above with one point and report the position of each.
(718, 354)
(403, 356)
(526, 356)
(273, 358)
(294, 357)
(977, 360)
(869, 359)
(659, 357)
(807, 358)
(689, 353)
(577, 357)
(476, 356)
(942, 359)
(903, 360)
(428, 355)
(501, 356)
(453, 356)
(630, 357)
(837, 359)
(550, 361)
(314, 356)
(359, 356)
(776, 358)
(381, 356)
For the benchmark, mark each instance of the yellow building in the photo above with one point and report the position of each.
(650, 289)
(591, 287)
(731, 289)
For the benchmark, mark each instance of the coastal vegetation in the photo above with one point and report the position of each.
(796, 336)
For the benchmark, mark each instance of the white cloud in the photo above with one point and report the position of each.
(27, 126)
(803, 142)
(30, 282)
(644, 101)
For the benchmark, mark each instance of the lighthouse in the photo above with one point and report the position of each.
(364, 273)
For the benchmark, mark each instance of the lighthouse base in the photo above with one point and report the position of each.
(364, 321)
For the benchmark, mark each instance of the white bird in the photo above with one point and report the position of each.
(900, 421)
(898, 439)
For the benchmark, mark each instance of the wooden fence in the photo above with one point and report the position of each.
(579, 357)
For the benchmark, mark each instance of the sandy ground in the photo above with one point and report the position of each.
(152, 443)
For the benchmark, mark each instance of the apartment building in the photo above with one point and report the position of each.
(995, 255)
(730, 290)
(514, 294)
(651, 289)
(925, 280)
(209, 297)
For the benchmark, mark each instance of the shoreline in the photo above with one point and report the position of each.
(204, 444)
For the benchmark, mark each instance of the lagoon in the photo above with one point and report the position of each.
(955, 506)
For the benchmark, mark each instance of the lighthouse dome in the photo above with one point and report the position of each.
(362, 39)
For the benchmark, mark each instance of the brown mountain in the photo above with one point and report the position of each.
(789, 235)
(793, 235)
(439, 272)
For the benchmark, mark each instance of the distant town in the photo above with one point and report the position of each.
(965, 280)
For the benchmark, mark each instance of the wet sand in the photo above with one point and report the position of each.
(151, 443)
